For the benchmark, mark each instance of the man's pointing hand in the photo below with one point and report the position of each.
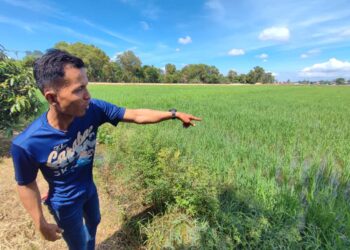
(187, 119)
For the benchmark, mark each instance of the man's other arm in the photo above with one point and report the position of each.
(148, 116)
(30, 197)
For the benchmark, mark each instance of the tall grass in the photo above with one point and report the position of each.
(268, 167)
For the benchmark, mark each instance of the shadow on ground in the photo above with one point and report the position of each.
(130, 236)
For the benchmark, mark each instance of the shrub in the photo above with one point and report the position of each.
(18, 96)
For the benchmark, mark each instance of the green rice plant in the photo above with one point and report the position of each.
(267, 168)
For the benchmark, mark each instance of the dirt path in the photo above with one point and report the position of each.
(17, 230)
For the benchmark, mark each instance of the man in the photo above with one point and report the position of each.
(61, 143)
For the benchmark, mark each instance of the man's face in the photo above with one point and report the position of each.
(73, 97)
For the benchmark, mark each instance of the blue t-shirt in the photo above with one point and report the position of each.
(64, 157)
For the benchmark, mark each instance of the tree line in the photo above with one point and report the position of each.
(128, 68)
(18, 98)
(337, 81)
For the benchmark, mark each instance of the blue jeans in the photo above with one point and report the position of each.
(79, 222)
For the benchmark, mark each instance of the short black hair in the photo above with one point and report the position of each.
(50, 67)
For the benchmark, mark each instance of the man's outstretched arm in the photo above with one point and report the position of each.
(147, 116)
(30, 197)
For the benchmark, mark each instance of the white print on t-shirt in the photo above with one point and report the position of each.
(81, 153)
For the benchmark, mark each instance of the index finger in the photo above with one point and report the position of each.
(59, 230)
(195, 118)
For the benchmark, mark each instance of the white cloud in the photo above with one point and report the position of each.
(161, 45)
(345, 32)
(144, 25)
(309, 53)
(109, 32)
(132, 48)
(21, 24)
(331, 35)
(37, 6)
(128, 1)
(69, 31)
(115, 57)
(147, 8)
(272, 73)
(185, 40)
(151, 11)
(275, 33)
(263, 56)
(31, 27)
(222, 12)
(315, 20)
(236, 52)
(331, 68)
(177, 50)
(215, 5)
(33, 6)
(332, 31)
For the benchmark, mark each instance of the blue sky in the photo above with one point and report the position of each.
(294, 39)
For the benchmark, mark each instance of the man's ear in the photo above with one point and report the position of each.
(51, 96)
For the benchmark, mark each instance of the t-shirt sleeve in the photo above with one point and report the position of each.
(26, 169)
(108, 112)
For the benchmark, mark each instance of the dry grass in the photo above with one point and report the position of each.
(17, 230)
(118, 206)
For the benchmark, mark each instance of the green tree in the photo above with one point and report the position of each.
(242, 78)
(325, 82)
(256, 75)
(2, 53)
(171, 74)
(268, 78)
(131, 66)
(17, 94)
(151, 74)
(340, 81)
(212, 75)
(200, 73)
(232, 76)
(172, 78)
(93, 57)
(31, 56)
(112, 72)
(170, 69)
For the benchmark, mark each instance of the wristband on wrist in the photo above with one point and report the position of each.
(173, 113)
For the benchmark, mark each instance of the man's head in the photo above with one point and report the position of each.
(49, 69)
(61, 77)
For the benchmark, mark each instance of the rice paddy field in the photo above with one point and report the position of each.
(268, 167)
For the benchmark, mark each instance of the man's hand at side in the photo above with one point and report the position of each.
(30, 197)
(50, 232)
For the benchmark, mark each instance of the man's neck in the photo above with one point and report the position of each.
(58, 120)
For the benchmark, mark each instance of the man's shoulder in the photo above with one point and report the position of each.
(102, 104)
(99, 103)
(33, 128)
